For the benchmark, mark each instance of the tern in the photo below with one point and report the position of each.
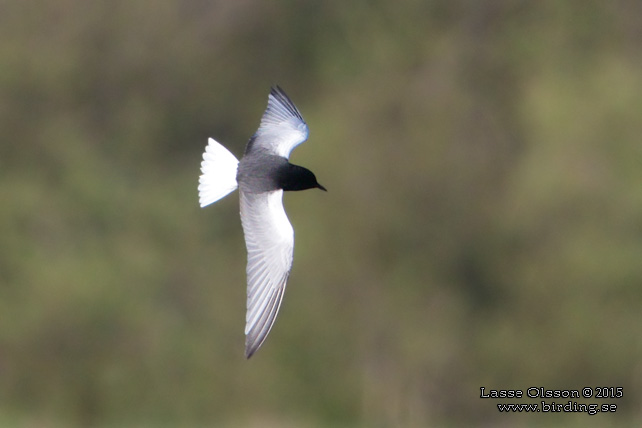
(261, 176)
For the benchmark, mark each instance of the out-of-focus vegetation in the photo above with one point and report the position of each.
(483, 225)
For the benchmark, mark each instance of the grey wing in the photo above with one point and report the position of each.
(282, 126)
(269, 239)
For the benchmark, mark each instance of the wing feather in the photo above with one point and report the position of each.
(269, 239)
(282, 127)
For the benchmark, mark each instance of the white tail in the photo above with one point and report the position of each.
(219, 173)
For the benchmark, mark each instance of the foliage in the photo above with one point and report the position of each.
(482, 225)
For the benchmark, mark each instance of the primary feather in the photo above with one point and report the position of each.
(269, 239)
(282, 126)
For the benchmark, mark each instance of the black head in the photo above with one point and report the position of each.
(294, 177)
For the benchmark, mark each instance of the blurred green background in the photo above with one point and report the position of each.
(483, 224)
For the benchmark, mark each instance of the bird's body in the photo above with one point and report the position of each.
(262, 175)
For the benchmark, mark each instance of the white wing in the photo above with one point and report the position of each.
(282, 126)
(269, 239)
(219, 173)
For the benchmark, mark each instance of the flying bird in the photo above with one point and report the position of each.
(261, 176)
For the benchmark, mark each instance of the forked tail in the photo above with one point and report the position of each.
(219, 173)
